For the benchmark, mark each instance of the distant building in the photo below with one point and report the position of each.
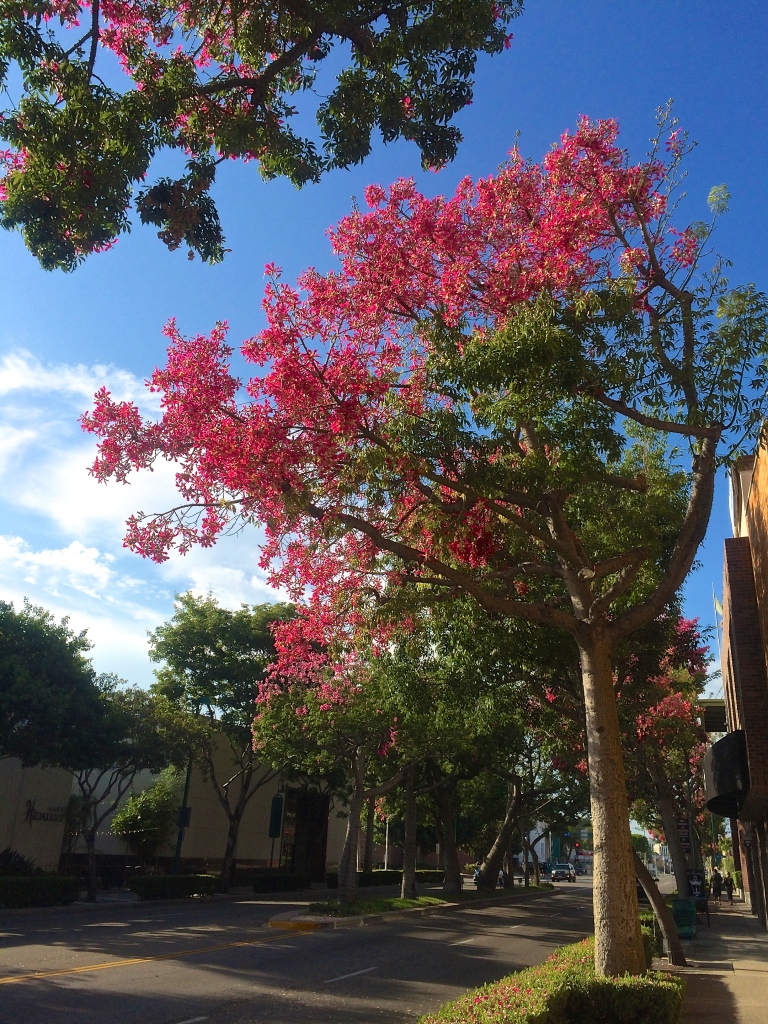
(736, 767)
(33, 811)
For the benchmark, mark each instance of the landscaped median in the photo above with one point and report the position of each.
(332, 914)
(565, 990)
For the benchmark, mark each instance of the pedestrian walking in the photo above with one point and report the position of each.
(717, 885)
(729, 887)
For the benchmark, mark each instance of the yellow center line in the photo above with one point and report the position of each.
(12, 979)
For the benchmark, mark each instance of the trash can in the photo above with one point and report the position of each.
(684, 915)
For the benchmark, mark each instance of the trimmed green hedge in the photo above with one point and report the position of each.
(278, 882)
(38, 890)
(389, 877)
(738, 880)
(171, 887)
(565, 990)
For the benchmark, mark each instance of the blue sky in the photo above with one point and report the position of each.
(62, 336)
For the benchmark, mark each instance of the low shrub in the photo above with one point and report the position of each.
(14, 863)
(738, 881)
(429, 875)
(565, 990)
(38, 890)
(279, 882)
(171, 887)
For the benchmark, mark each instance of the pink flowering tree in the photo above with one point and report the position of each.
(658, 688)
(520, 393)
(105, 85)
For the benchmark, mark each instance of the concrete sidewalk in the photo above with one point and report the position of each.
(727, 976)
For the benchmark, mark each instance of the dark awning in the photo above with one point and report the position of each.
(726, 774)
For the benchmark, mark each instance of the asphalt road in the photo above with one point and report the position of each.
(215, 962)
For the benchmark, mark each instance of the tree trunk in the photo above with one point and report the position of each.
(663, 915)
(489, 869)
(526, 853)
(225, 879)
(408, 885)
(348, 864)
(444, 797)
(90, 844)
(670, 813)
(618, 942)
(536, 865)
(369, 826)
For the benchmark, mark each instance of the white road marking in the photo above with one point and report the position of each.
(462, 943)
(191, 1020)
(354, 974)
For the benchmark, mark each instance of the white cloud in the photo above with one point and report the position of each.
(76, 566)
(232, 575)
(61, 532)
(21, 372)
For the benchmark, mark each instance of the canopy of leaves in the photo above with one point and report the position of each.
(214, 659)
(216, 81)
(135, 730)
(480, 400)
(49, 699)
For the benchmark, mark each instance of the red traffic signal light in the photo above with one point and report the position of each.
(576, 846)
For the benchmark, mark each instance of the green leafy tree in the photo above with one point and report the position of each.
(133, 731)
(215, 82)
(48, 692)
(146, 821)
(640, 845)
(339, 732)
(213, 662)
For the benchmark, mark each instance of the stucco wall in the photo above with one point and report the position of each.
(32, 810)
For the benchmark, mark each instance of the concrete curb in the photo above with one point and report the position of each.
(298, 921)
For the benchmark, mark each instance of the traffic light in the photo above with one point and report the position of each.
(577, 846)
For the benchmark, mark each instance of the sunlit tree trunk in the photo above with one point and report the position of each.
(618, 942)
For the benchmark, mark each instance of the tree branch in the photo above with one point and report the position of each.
(669, 427)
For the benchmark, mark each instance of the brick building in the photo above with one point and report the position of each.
(736, 767)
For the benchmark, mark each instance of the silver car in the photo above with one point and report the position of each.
(563, 873)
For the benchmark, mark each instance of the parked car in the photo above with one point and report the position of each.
(580, 869)
(563, 873)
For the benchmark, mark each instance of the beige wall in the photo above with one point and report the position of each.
(206, 836)
(32, 808)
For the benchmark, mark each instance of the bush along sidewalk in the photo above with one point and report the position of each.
(38, 890)
(565, 990)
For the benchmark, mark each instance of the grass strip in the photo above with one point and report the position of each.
(381, 905)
